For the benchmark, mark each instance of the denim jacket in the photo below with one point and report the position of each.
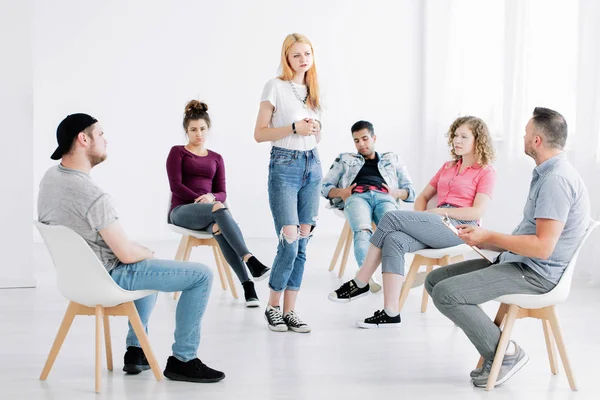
(346, 166)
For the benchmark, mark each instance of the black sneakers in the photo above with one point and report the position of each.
(191, 371)
(135, 361)
(258, 270)
(250, 294)
(275, 320)
(347, 292)
(380, 320)
(295, 323)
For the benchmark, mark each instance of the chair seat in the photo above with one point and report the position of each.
(448, 251)
(535, 301)
(190, 232)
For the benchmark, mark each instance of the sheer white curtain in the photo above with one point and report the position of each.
(499, 60)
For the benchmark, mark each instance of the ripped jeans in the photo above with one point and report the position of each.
(294, 188)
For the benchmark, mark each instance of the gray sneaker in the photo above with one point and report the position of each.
(510, 366)
(477, 371)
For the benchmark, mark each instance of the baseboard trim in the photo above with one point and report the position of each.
(18, 283)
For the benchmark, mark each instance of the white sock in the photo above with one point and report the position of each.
(511, 349)
(360, 283)
(390, 313)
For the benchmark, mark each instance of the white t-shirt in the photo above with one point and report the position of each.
(288, 109)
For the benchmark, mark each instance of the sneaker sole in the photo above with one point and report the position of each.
(374, 287)
(364, 325)
(276, 328)
(252, 303)
(332, 297)
(133, 369)
(299, 330)
(513, 371)
(182, 378)
(262, 277)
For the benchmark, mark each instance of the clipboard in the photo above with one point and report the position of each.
(447, 222)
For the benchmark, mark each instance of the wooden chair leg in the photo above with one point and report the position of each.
(550, 346)
(340, 245)
(349, 236)
(60, 338)
(219, 267)
(511, 317)
(560, 343)
(99, 318)
(181, 248)
(138, 328)
(499, 321)
(425, 298)
(227, 269)
(186, 249)
(410, 278)
(107, 342)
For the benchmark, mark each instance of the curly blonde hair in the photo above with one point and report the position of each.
(484, 149)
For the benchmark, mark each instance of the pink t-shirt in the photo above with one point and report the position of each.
(460, 190)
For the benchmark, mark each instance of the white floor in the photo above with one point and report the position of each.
(427, 358)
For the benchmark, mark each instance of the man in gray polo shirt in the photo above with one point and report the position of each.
(533, 258)
(68, 196)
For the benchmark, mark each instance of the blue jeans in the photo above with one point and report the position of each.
(194, 280)
(361, 210)
(294, 186)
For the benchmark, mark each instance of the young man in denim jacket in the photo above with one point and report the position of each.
(366, 185)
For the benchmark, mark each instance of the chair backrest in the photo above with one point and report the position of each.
(80, 275)
(562, 289)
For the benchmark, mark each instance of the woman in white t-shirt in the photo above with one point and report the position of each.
(289, 117)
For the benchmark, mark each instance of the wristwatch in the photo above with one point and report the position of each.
(294, 127)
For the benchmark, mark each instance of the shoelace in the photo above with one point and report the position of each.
(276, 317)
(376, 316)
(294, 320)
(346, 289)
(199, 365)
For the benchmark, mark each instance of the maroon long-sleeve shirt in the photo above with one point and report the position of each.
(191, 176)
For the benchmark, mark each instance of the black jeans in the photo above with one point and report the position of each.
(200, 217)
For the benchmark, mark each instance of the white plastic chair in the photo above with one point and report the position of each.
(191, 239)
(84, 281)
(429, 258)
(543, 307)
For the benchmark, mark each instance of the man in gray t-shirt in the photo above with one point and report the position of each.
(69, 197)
(533, 258)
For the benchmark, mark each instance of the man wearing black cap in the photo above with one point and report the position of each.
(69, 197)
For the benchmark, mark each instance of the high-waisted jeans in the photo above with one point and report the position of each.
(294, 186)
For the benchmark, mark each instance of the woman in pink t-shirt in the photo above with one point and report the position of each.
(463, 186)
(197, 181)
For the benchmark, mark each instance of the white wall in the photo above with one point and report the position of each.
(133, 65)
(16, 97)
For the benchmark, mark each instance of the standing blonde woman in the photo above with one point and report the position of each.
(289, 118)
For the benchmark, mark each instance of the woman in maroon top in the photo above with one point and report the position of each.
(197, 180)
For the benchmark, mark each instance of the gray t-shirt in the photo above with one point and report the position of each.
(70, 198)
(558, 193)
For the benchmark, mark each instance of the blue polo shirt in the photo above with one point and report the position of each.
(556, 192)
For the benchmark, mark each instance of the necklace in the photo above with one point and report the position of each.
(303, 101)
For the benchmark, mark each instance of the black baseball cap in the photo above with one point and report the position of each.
(68, 129)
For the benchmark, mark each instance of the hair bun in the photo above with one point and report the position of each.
(195, 107)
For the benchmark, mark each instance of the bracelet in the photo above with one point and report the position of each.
(294, 127)
(320, 125)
